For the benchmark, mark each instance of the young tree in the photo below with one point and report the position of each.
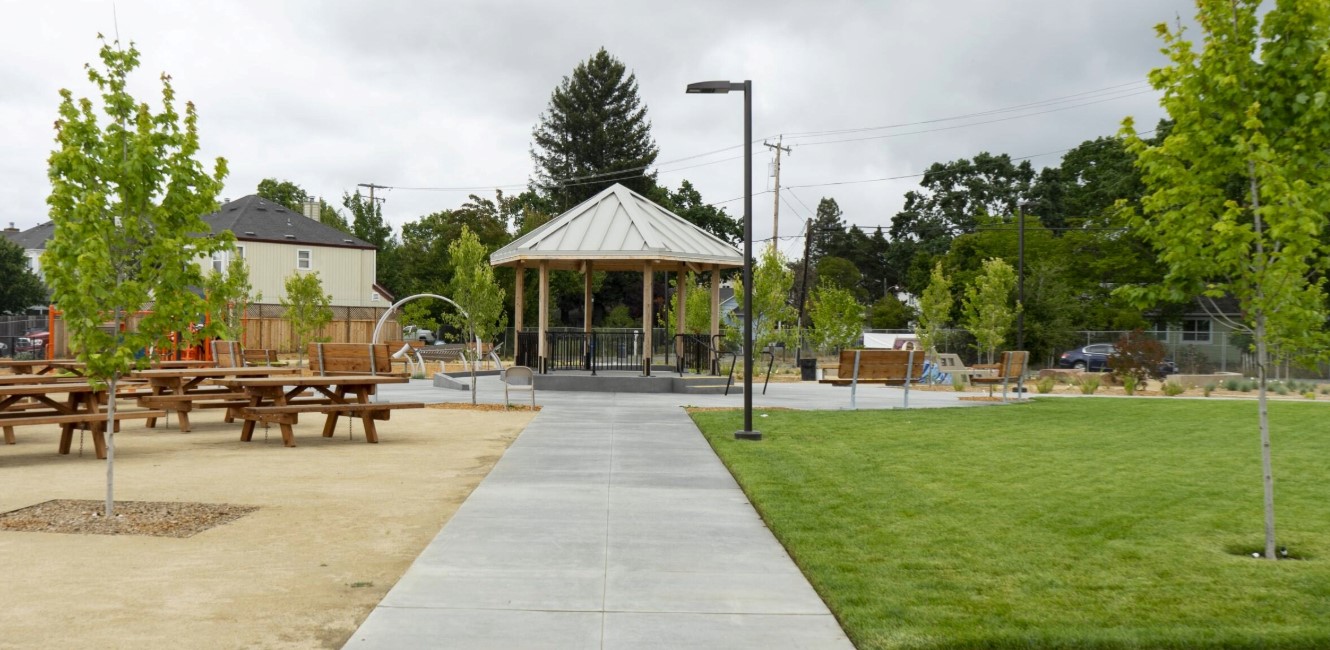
(474, 289)
(934, 310)
(773, 316)
(1238, 192)
(838, 318)
(228, 295)
(126, 200)
(21, 288)
(697, 317)
(595, 125)
(987, 306)
(307, 308)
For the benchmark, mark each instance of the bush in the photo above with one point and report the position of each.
(1138, 355)
(1311, 394)
(1247, 386)
(1045, 385)
(1233, 384)
(1129, 384)
(1089, 385)
(1207, 389)
(1281, 389)
(1173, 389)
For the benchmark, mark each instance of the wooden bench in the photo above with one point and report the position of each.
(96, 422)
(1009, 368)
(262, 357)
(278, 400)
(352, 359)
(888, 367)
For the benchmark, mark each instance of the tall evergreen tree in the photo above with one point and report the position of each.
(22, 288)
(594, 133)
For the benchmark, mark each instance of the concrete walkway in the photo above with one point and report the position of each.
(610, 523)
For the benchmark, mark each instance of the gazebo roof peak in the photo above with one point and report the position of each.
(618, 229)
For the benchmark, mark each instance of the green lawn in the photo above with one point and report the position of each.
(1061, 523)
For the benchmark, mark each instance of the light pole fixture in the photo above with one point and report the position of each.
(746, 87)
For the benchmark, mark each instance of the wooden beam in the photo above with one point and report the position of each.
(586, 297)
(681, 297)
(544, 313)
(715, 303)
(647, 301)
(518, 303)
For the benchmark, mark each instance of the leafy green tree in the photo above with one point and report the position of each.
(126, 200)
(475, 290)
(889, 313)
(284, 193)
(1239, 189)
(419, 314)
(306, 307)
(772, 312)
(593, 134)
(841, 273)
(827, 233)
(228, 295)
(987, 306)
(329, 216)
(21, 288)
(838, 318)
(367, 219)
(934, 310)
(697, 317)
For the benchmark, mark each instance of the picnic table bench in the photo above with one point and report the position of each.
(181, 390)
(81, 409)
(274, 399)
(1009, 368)
(352, 359)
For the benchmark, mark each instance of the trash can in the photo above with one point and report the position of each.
(808, 369)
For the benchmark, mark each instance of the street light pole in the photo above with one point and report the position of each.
(712, 87)
(1020, 277)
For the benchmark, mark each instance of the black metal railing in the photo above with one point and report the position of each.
(528, 350)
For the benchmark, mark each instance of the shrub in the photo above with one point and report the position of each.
(1172, 388)
(1311, 394)
(1247, 386)
(1045, 385)
(1233, 384)
(1281, 389)
(1089, 385)
(1138, 355)
(1129, 384)
(1207, 389)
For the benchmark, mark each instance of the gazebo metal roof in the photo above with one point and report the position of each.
(618, 230)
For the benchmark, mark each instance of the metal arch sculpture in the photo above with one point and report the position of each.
(384, 319)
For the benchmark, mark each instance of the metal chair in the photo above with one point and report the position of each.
(518, 378)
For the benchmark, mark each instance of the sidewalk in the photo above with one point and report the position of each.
(610, 523)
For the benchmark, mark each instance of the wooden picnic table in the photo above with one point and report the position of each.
(34, 366)
(183, 389)
(81, 408)
(271, 400)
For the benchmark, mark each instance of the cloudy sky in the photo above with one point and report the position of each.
(444, 95)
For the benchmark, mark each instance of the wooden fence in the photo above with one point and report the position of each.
(264, 327)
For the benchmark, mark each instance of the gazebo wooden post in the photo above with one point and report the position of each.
(518, 303)
(715, 316)
(542, 345)
(586, 316)
(681, 313)
(647, 276)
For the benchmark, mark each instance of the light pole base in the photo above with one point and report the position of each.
(747, 435)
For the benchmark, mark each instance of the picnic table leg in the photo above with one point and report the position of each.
(182, 412)
(156, 390)
(247, 429)
(288, 435)
(371, 431)
(99, 438)
(330, 424)
(9, 435)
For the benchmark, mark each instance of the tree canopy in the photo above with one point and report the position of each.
(21, 288)
(594, 133)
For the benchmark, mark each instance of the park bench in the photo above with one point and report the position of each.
(275, 399)
(83, 408)
(1009, 368)
(888, 367)
(262, 357)
(351, 359)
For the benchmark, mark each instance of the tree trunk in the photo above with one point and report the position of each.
(110, 444)
(1267, 470)
(473, 371)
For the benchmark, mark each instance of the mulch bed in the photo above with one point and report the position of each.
(153, 518)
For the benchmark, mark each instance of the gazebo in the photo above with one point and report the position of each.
(617, 230)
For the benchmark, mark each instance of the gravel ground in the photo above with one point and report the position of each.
(156, 518)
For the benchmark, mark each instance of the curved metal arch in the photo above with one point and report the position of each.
(384, 319)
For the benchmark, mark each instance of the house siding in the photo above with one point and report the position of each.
(347, 273)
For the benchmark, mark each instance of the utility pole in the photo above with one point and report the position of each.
(372, 187)
(775, 209)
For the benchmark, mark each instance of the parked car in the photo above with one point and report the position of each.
(1095, 359)
(413, 333)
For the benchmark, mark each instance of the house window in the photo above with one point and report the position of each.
(373, 296)
(1196, 330)
(219, 261)
(303, 260)
(240, 252)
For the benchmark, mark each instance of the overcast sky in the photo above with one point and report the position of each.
(416, 94)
